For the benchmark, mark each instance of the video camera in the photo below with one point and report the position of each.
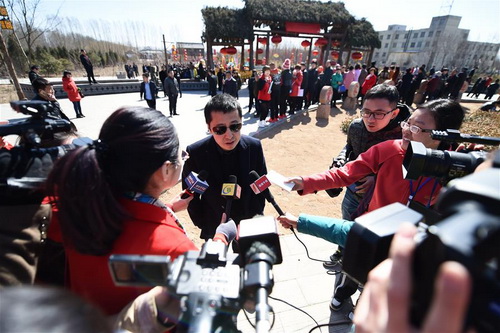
(212, 284)
(468, 233)
(24, 168)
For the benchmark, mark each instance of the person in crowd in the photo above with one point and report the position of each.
(230, 85)
(480, 88)
(45, 92)
(296, 92)
(177, 75)
(312, 77)
(172, 91)
(163, 75)
(264, 87)
(225, 152)
(304, 85)
(434, 87)
(106, 201)
(369, 82)
(362, 76)
(135, 68)
(239, 82)
(383, 75)
(275, 91)
(457, 86)
(87, 64)
(404, 88)
(286, 86)
(212, 83)
(474, 88)
(252, 98)
(74, 95)
(328, 71)
(380, 118)
(34, 73)
(337, 81)
(492, 89)
(201, 70)
(220, 78)
(148, 90)
(348, 79)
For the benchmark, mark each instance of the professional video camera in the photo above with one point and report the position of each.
(213, 285)
(468, 233)
(23, 169)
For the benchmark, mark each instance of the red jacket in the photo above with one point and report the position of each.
(150, 230)
(264, 93)
(71, 89)
(369, 82)
(386, 161)
(296, 83)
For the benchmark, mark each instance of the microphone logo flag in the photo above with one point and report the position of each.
(260, 184)
(195, 184)
(231, 190)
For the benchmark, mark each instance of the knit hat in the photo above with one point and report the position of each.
(286, 64)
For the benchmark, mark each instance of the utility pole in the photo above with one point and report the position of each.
(6, 24)
(165, 50)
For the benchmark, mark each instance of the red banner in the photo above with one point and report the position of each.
(310, 28)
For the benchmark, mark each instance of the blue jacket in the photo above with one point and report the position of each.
(330, 229)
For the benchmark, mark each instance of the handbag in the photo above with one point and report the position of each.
(342, 89)
(81, 94)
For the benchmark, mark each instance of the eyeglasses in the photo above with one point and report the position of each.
(376, 115)
(413, 128)
(220, 130)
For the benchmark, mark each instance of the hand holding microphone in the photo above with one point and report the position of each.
(196, 183)
(261, 185)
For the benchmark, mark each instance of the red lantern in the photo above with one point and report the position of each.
(231, 50)
(321, 42)
(276, 39)
(357, 55)
(262, 40)
(335, 43)
(305, 43)
(335, 54)
(223, 50)
(315, 52)
(259, 62)
(260, 51)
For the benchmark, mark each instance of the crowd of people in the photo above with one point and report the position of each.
(105, 194)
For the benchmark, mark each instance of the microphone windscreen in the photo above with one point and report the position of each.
(232, 179)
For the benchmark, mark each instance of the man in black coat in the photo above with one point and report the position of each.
(224, 153)
(87, 64)
(172, 91)
(212, 83)
(148, 89)
(33, 73)
(230, 85)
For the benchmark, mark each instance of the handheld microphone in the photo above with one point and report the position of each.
(196, 183)
(230, 190)
(261, 185)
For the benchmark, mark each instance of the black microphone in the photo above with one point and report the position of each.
(230, 190)
(259, 282)
(196, 183)
(259, 185)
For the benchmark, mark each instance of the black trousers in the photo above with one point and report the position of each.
(172, 104)
(90, 74)
(151, 103)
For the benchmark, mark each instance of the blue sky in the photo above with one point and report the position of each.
(181, 21)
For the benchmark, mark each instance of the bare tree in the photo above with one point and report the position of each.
(29, 22)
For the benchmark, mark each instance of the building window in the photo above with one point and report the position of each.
(430, 33)
(388, 36)
(415, 35)
(427, 44)
(381, 37)
(419, 44)
(438, 33)
(396, 36)
(422, 34)
(406, 35)
(412, 44)
(376, 54)
(394, 44)
(383, 54)
(386, 45)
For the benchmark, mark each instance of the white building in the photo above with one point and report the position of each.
(443, 44)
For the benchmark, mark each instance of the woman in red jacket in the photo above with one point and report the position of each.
(369, 82)
(296, 93)
(73, 92)
(264, 96)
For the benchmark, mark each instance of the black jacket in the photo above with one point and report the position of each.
(206, 210)
(152, 87)
(170, 86)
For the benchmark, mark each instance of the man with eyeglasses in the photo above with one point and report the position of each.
(225, 152)
(380, 117)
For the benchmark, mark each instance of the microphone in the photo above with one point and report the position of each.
(261, 185)
(196, 183)
(259, 282)
(230, 190)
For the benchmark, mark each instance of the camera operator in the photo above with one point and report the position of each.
(384, 304)
(106, 202)
(45, 92)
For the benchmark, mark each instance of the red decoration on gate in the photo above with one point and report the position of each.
(260, 51)
(321, 42)
(231, 50)
(315, 52)
(262, 40)
(223, 50)
(305, 43)
(276, 39)
(357, 55)
(335, 54)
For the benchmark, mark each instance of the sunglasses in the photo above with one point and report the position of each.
(220, 130)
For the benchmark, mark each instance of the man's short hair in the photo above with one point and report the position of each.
(40, 83)
(145, 74)
(224, 103)
(34, 67)
(384, 91)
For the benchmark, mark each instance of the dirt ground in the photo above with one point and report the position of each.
(302, 146)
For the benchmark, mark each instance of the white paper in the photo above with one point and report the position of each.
(279, 180)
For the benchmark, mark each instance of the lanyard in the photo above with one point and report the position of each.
(145, 198)
(419, 186)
